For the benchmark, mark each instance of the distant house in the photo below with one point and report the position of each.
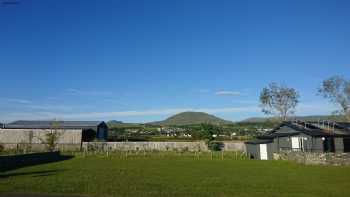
(302, 136)
(71, 132)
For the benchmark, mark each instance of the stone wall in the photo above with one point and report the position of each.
(309, 158)
(159, 146)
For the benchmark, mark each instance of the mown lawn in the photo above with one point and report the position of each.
(177, 176)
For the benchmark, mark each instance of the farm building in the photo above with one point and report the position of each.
(302, 136)
(71, 133)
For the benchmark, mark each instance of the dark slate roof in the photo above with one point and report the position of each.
(295, 128)
(343, 125)
(29, 124)
(260, 141)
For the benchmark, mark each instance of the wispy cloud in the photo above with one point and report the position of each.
(87, 92)
(16, 100)
(112, 114)
(227, 93)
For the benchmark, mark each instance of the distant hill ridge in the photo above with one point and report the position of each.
(189, 118)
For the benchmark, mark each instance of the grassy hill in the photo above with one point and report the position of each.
(190, 118)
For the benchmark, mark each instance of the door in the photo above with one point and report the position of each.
(346, 142)
(295, 144)
(263, 151)
(328, 145)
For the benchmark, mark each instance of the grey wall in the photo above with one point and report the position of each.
(35, 136)
(234, 146)
(253, 150)
(311, 144)
(339, 145)
(160, 146)
(33, 139)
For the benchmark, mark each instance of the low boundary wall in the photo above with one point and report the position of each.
(159, 146)
(309, 158)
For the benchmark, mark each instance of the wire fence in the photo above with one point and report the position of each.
(211, 155)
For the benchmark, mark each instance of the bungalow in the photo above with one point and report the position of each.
(318, 137)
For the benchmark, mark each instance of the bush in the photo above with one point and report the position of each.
(215, 146)
(2, 148)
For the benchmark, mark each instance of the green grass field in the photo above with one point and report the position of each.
(174, 175)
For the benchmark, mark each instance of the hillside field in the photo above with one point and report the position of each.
(177, 175)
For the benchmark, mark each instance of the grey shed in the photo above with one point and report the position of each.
(260, 149)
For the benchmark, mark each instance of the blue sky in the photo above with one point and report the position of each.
(140, 61)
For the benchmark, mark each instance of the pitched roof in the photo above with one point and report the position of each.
(260, 141)
(343, 125)
(29, 124)
(295, 128)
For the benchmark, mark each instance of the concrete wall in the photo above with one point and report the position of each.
(34, 136)
(234, 146)
(26, 140)
(159, 146)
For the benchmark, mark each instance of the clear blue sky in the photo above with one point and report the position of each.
(140, 61)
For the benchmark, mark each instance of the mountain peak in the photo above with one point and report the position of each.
(189, 117)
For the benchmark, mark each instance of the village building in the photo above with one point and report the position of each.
(71, 133)
(317, 137)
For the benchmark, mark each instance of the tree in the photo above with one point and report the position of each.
(279, 100)
(52, 137)
(337, 90)
(208, 130)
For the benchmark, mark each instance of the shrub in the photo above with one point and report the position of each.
(2, 148)
(215, 146)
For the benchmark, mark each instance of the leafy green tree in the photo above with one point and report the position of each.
(207, 131)
(337, 90)
(279, 100)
